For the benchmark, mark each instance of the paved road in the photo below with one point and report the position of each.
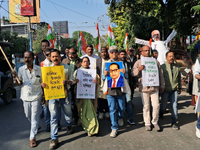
(14, 131)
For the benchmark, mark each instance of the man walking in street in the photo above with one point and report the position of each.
(64, 102)
(115, 95)
(31, 92)
(74, 62)
(130, 80)
(91, 56)
(102, 100)
(149, 92)
(41, 55)
(172, 76)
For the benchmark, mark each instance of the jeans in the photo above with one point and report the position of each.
(198, 123)
(53, 108)
(173, 97)
(32, 110)
(129, 106)
(47, 114)
(114, 103)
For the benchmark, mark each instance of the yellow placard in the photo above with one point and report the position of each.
(53, 78)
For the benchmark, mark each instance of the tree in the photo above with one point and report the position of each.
(141, 17)
(20, 44)
(66, 42)
(88, 37)
(38, 36)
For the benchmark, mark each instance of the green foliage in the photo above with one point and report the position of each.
(20, 44)
(139, 18)
(66, 42)
(39, 35)
(88, 37)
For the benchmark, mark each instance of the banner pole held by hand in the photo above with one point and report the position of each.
(9, 63)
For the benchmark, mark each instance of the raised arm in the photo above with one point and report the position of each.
(141, 42)
(170, 37)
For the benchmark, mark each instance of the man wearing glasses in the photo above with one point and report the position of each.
(115, 95)
(74, 62)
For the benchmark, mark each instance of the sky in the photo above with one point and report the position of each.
(76, 11)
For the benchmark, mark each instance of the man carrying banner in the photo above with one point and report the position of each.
(115, 95)
(31, 92)
(64, 102)
(41, 55)
(102, 100)
(74, 62)
(91, 56)
(149, 92)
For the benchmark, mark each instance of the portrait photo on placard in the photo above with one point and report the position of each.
(115, 78)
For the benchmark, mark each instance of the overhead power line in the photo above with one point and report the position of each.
(72, 10)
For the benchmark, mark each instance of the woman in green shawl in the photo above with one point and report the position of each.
(86, 110)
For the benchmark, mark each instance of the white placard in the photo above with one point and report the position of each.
(150, 74)
(86, 86)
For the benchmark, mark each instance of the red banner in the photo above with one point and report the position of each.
(28, 8)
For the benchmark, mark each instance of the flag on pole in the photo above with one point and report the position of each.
(50, 37)
(82, 45)
(126, 42)
(109, 36)
(55, 43)
(98, 40)
(112, 38)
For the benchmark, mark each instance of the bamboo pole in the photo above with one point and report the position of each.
(8, 63)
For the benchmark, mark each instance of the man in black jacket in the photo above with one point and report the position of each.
(102, 100)
(41, 55)
(131, 80)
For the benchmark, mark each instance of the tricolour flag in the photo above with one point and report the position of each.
(112, 38)
(126, 42)
(82, 45)
(98, 40)
(50, 37)
(109, 36)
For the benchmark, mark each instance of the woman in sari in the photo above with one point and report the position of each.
(86, 110)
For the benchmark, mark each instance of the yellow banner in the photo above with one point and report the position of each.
(15, 12)
(53, 78)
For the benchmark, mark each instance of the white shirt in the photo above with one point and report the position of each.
(31, 83)
(196, 67)
(68, 72)
(92, 58)
(160, 46)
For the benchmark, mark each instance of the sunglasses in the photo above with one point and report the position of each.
(114, 52)
(47, 54)
(73, 53)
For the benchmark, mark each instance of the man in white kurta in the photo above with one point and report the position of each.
(91, 56)
(160, 46)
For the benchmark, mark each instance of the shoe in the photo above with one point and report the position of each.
(175, 126)
(69, 130)
(48, 128)
(59, 127)
(130, 121)
(121, 122)
(33, 143)
(100, 116)
(156, 126)
(197, 132)
(89, 134)
(147, 128)
(54, 144)
(107, 115)
(113, 133)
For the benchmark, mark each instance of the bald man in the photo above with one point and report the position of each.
(149, 93)
(160, 46)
